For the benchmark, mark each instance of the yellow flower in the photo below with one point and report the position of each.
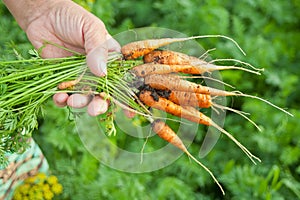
(30, 179)
(24, 188)
(38, 187)
(57, 188)
(45, 187)
(35, 188)
(52, 180)
(31, 194)
(48, 195)
(17, 196)
(41, 176)
(39, 195)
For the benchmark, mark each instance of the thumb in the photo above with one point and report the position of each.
(96, 60)
(96, 45)
(97, 57)
(112, 44)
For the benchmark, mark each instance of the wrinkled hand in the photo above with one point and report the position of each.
(67, 24)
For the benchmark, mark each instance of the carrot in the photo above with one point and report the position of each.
(67, 84)
(202, 101)
(168, 57)
(190, 99)
(189, 113)
(200, 66)
(136, 49)
(199, 100)
(170, 107)
(166, 133)
(170, 82)
(162, 69)
(152, 68)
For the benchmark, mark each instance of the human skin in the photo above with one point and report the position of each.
(67, 24)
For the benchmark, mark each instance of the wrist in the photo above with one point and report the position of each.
(26, 11)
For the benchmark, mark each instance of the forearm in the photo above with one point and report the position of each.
(26, 11)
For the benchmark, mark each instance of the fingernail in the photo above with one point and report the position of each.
(96, 60)
(102, 68)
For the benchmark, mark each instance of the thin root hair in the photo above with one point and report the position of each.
(209, 78)
(205, 54)
(206, 169)
(244, 149)
(241, 113)
(261, 99)
(220, 36)
(237, 61)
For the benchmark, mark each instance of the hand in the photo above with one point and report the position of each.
(67, 24)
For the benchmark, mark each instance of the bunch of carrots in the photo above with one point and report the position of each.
(143, 76)
(161, 83)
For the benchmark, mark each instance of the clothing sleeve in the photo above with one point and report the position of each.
(20, 167)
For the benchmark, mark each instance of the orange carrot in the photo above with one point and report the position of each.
(170, 82)
(136, 49)
(67, 84)
(190, 99)
(166, 133)
(70, 84)
(172, 108)
(152, 68)
(188, 113)
(200, 66)
(169, 58)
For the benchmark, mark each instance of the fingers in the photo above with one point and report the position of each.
(95, 105)
(78, 100)
(129, 114)
(60, 99)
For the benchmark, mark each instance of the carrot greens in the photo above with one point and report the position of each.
(25, 84)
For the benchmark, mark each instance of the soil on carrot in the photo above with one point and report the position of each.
(155, 93)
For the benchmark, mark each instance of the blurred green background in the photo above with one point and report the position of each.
(269, 32)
